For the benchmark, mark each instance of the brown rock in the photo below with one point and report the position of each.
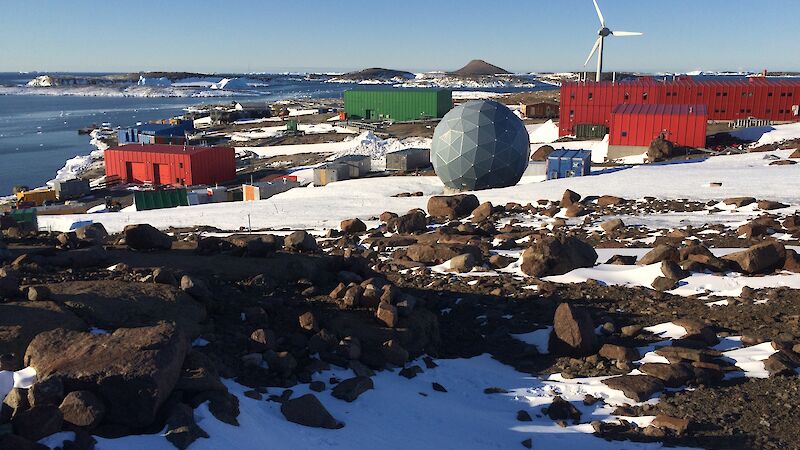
(636, 387)
(394, 353)
(609, 200)
(482, 212)
(673, 375)
(618, 352)
(792, 263)
(663, 284)
(20, 322)
(82, 409)
(146, 237)
(308, 321)
(133, 370)
(352, 226)
(349, 390)
(387, 314)
(575, 210)
(542, 153)
(452, 206)
(679, 426)
(569, 198)
(308, 411)
(760, 258)
(561, 409)
(612, 225)
(573, 330)
(739, 201)
(413, 222)
(660, 253)
(768, 205)
(557, 256)
(37, 422)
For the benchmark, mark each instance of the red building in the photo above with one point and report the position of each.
(638, 125)
(775, 99)
(171, 164)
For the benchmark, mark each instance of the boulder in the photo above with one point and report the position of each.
(353, 226)
(482, 212)
(452, 206)
(387, 314)
(576, 210)
(20, 322)
(182, 430)
(46, 391)
(37, 422)
(113, 304)
(308, 321)
(672, 375)
(618, 352)
(394, 353)
(413, 222)
(439, 253)
(660, 149)
(791, 222)
(660, 253)
(569, 198)
(678, 425)
(739, 201)
(542, 153)
(386, 216)
(769, 205)
(573, 331)
(795, 153)
(609, 200)
(792, 262)
(196, 288)
(760, 258)
(612, 225)
(38, 293)
(349, 389)
(95, 233)
(557, 256)
(300, 241)
(672, 270)
(636, 387)
(622, 260)
(82, 409)
(163, 275)
(132, 370)
(462, 263)
(561, 409)
(663, 284)
(146, 237)
(308, 411)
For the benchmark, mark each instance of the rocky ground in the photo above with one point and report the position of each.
(129, 333)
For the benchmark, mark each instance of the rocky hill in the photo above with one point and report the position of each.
(478, 68)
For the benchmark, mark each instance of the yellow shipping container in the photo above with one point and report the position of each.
(37, 196)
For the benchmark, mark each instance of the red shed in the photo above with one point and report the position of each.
(171, 164)
(638, 125)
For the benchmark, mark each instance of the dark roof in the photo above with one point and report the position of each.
(166, 148)
(693, 81)
(659, 109)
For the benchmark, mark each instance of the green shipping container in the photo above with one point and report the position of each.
(145, 200)
(589, 131)
(398, 104)
(25, 215)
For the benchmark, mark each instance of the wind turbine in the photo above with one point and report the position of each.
(598, 44)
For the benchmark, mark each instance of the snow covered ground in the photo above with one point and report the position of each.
(321, 207)
(408, 414)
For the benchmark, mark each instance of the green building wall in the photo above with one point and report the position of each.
(397, 104)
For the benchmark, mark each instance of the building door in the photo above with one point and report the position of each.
(162, 174)
(368, 114)
(138, 172)
(128, 171)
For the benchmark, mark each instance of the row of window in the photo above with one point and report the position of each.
(719, 111)
(699, 94)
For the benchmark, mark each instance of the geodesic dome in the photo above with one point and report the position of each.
(480, 145)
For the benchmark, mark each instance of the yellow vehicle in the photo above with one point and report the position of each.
(36, 197)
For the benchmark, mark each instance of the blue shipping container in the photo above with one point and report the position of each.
(569, 163)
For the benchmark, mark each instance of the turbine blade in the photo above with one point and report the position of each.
(594, 49)
(626, 33)
(599, 14)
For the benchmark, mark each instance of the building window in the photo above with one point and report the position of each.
(177, 180)
(644, 96)
(180, 165)
(699, 94)
(624, 134)
(572, 95)
(627, 96)
(769, 94)
(788, 94)
(769, 110)
(724, 94)
(590, 95)
(719, 94)
(783, 94)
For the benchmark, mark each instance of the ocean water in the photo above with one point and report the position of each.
(38, 133)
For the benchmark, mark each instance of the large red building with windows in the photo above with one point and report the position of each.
(638, 125)
(175, 165)
(775, 99)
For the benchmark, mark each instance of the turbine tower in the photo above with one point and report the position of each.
(598, 44)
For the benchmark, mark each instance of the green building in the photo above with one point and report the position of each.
(398, 104)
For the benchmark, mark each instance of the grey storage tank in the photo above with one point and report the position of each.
(409, 159)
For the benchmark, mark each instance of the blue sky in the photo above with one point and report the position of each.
(302, 35)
